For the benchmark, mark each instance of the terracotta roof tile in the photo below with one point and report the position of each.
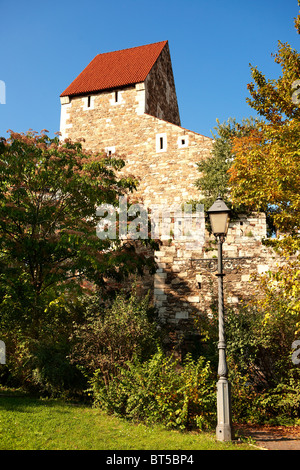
(116, 69)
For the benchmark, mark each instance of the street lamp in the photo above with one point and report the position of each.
(219, 220)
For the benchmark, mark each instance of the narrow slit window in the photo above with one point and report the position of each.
(88, 101)
(161, 142)
(116, 96)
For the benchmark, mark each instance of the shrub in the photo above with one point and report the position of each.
(262, 375)
(160, 390)
(111, 336)
(52, 372)
(281, 404)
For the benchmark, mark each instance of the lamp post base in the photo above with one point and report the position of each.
(223, 432)
(224, 427)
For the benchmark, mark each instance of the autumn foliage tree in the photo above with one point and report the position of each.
(265, 174)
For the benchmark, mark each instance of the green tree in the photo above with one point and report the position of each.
(214, 178)
(49, 191)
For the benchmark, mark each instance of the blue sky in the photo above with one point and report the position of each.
(45, 45)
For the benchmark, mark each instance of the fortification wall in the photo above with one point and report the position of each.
(185, 283)
(163, 156)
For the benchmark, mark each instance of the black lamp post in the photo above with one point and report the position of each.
(219, 220)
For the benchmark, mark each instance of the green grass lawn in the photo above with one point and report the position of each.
(38, 424)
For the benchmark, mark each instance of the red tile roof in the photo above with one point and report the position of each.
(116, 69)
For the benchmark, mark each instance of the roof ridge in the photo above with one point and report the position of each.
(134, 47)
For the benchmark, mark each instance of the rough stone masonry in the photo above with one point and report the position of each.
(125, 102)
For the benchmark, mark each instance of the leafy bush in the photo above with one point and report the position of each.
(281, 404)
(39, 361)
(160, 390)
(112, 335)
(53, 373)
(77, 335)
(259, 352)
(262, 375)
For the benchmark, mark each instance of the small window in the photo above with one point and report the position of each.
(183, 141)
(116, 97)
(110, 151)
(161, 142)
(88, 102)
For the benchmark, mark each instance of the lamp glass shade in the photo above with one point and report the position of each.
(219, 217)
(219, 222)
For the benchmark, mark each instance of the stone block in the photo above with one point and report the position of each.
(262, 268)
(167, 259)
(193, 299)
(160, 275)
(182, 274)
(182, 315)
(175, 269)
(159, 291)
(161, 265)
(233, 300)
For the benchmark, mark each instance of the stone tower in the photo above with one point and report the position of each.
(125, 102)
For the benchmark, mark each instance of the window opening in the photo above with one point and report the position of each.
(88, 101)
(110, 151)
(161, 142)
(183, 141)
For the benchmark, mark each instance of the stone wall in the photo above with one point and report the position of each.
(141, 122)
(185, 283)
(160, 92)
(166, 175)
